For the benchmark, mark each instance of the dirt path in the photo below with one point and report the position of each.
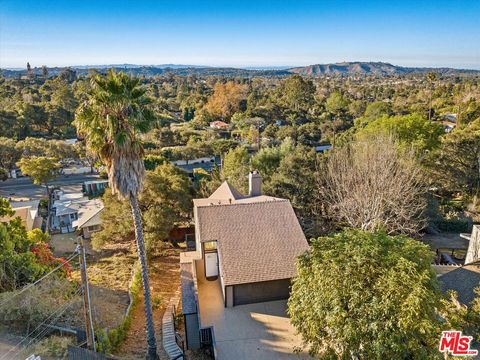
(164, 282)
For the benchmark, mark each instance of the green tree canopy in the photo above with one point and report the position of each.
(41, 169)
(295, 179)
(267, 160)
(236, 166)
(336, 103)
(19, 264)
(167, 200)
(377, 109)
(151, 161)
(366, 296)
(9, 154)
(409, 130)
(456, 163)
(297, 95)
(117, 223)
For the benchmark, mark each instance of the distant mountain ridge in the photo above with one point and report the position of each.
(353, 68)
(372, 68)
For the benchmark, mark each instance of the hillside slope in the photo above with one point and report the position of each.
(342, 69)
(371, 68)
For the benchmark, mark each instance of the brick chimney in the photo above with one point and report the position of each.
(254, 183)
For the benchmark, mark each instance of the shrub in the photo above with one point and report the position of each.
(109, 341)
(157, 300)
(367, 296)
(453, 225)
(55, 347)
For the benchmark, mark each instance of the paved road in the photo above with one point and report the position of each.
(24, 188)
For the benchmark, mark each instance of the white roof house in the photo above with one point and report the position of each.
(89, 214)
(69, 203)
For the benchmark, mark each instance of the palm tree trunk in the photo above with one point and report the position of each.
(137, 219)
(430, 109)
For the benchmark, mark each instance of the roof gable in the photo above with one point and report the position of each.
(89, 214)
(225, 192)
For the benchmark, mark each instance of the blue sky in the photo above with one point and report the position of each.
(239, 33)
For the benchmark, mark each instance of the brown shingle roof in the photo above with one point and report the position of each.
(258, 240)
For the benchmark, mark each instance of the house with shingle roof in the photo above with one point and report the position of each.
(250, 242)
(89, 218)
(247, 244)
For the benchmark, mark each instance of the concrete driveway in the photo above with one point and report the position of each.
(257, 331)
(446, 241)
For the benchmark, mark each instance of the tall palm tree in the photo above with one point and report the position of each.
(112, 118)
(431, 77)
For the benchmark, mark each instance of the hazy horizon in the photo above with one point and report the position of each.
(246, 67)
(243, 35)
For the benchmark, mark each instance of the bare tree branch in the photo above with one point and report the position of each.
(370, 184)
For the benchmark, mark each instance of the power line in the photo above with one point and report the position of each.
(46, 329)
(25, 288)
(57, 313)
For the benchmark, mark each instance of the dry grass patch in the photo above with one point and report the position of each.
(109, 275)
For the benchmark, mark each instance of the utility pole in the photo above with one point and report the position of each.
(86, 296)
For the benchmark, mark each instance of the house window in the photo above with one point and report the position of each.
(210, 245)
(94, 228)
(73, 216)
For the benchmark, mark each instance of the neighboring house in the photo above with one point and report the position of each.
(220, 125)
(73, 210)
(89, 218)
(246, 250)
(28, 212)
(449, 122)
(64, 211)
(202, 160)
(205, 163)
(75, 169)
(15, 173)
(94, 188)
(183, 233)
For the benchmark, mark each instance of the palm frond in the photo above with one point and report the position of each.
(112, 118)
